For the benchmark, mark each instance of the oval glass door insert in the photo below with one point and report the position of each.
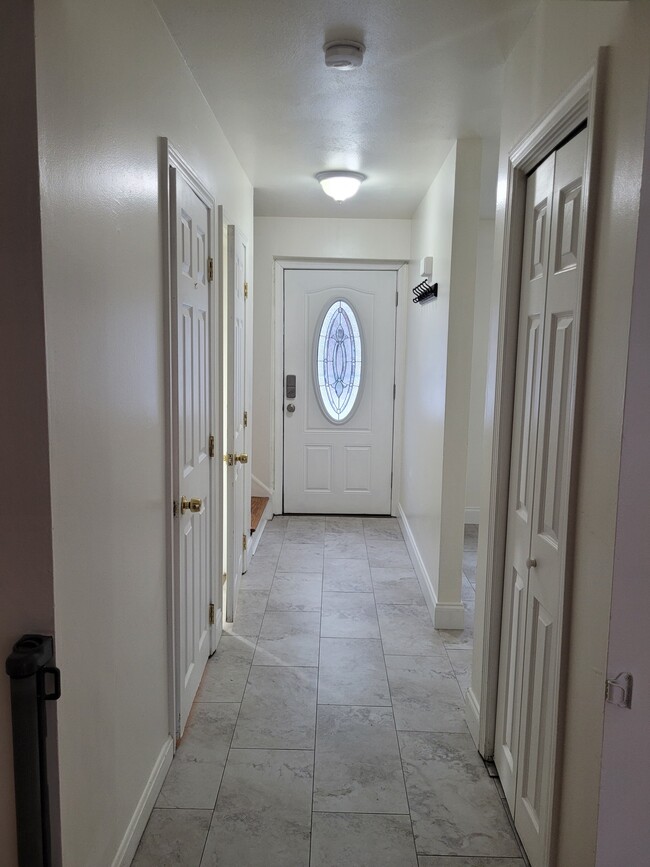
(338, 361)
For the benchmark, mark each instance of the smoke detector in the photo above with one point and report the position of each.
(344, 54)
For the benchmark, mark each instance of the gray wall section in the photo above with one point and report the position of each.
(26, 590)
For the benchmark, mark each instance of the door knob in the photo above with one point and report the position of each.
(531, 562)
(193, 505)
(291, 407)
(243, 458)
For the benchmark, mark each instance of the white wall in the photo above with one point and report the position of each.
(110, 82)
(437, 380)
(311, 238)
(624, 830)
(479, 350)
(558, 47)
(26, 592)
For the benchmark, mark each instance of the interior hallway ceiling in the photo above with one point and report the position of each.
(431, 74)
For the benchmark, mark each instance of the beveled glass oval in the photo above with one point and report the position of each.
(338, 361)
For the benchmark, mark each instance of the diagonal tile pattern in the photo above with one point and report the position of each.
(329, 726)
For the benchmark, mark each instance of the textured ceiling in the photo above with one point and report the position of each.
(431, 74)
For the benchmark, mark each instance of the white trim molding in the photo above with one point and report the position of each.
(472, 714)
(444, 615)
(145, 805)
(259, 530)
(259, 489)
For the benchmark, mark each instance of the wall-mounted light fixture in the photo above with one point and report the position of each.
(340, 185)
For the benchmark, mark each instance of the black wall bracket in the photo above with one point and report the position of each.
(424, 291)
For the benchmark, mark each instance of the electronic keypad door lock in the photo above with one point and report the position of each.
(290, 386)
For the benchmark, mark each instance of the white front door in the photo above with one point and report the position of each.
(339, 374)
(528, 712)
(237, 508)
(191, 287)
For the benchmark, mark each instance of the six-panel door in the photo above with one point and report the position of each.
(339, 343)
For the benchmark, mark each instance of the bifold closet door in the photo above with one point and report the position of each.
(529, 676)
(534, 279)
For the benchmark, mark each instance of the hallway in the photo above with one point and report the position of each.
(329, 727)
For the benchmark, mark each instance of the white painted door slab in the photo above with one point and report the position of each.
(191, 345)
(236, 431)
(534, 279)
(533, 609)
(339, 344)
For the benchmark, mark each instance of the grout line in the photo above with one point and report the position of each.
(313, 776)
(230, 747)
(392, 710)
(358, 813)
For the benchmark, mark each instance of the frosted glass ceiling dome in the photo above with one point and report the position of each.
(340, 185)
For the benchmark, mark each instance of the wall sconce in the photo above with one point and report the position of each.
(340, 185)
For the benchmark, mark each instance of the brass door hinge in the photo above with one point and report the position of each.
(246, 290)
(211, 446)
(210, 269)
(175, 508)
(211, 614)
(245, 419)
(244, 542)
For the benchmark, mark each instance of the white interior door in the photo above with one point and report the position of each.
(339, 346)
(237, 457)
(522, 470)
(192, 387)
(532, 633)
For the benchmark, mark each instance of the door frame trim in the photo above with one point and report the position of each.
(171, 160)
(583, 102)
(280, 265)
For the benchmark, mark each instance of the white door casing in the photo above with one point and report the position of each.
(192, 422)
(330, 467)
(526, 748)
(237, 509)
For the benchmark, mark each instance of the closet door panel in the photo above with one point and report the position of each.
(545, 593)
(534, 277)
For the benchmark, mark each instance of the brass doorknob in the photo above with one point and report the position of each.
(194, 505)
(243, 458)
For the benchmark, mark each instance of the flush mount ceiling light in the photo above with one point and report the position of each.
(344, 54)
(340, 185)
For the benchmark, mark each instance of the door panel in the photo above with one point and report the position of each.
(545, 598)
(522, 472)
(237, 508)
(337, 460)
(191, 340)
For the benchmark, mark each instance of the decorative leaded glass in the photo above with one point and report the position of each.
(338, 361)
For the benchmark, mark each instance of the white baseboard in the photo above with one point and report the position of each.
(216, 629)
(146, 803)
(444, 616)
(254, 540)
(472, 715)
(472, 516)
(259, 489)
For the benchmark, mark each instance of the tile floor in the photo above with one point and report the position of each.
(329, 727)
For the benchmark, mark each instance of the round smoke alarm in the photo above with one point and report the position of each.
(344, 54)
